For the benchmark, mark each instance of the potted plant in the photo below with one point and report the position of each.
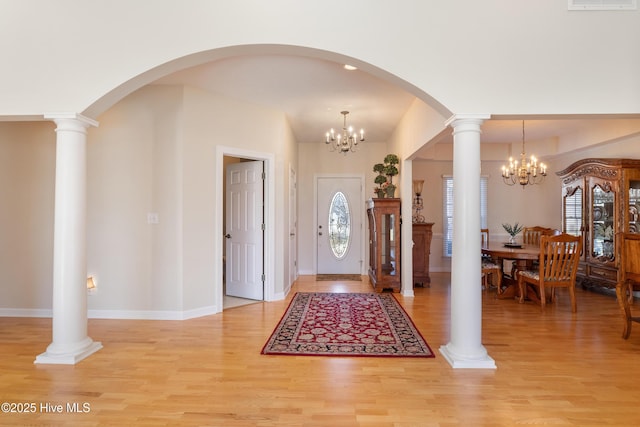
(513, 231)
(391, 170)
(380, 179)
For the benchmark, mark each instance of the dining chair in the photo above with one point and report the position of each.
(489, 266)
(531, 235)
(628, 276)
(558, 265)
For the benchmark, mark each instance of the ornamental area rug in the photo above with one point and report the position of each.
(346, 324)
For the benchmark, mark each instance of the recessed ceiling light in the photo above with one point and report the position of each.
(350, 67)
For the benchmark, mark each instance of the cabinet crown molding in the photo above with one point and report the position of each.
(602, 168)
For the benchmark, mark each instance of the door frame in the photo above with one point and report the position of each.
(269, 220)
(246, 236)
(293, 226)
(363, 212)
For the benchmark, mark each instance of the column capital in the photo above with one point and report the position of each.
(458, 119)
(74, 117)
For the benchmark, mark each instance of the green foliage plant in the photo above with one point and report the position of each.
(514, 229)
(390, 168)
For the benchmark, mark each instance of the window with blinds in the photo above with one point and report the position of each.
(573, 213)
(447, 213)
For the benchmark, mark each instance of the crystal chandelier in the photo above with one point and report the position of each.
(345, 142)
(525, 172)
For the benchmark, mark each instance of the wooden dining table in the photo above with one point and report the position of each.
(522, 256)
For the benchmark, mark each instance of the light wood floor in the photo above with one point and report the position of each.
(554, 368)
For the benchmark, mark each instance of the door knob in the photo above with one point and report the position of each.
(228, 236)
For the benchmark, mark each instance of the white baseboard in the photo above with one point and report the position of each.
(279, 296)
(152, 314)
(118, 314)
(26, 312)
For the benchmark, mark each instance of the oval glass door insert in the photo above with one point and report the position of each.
(339, 225)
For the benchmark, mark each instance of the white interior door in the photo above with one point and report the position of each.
(244, 230)
(339, 225)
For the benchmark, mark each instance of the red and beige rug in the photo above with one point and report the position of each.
(347, 324)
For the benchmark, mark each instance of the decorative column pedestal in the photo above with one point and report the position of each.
(465, 350)
(70, 343)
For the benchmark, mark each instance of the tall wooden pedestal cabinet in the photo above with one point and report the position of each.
(384, 244)
(421, 249)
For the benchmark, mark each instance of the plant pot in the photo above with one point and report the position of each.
(391, 191)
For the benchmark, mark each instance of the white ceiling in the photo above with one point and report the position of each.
(312, 93)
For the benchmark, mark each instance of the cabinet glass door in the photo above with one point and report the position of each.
(373, 242)
(388, 247)
(634, 206)
(602, 224)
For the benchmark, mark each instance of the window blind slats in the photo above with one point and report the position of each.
(447, 213)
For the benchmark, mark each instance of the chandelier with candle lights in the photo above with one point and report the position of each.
(347, 140)
(527, 172)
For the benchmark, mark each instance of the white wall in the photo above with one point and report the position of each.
(213, 121)
(492, 56)
(150, 155)
(154, 152)
(134, 164)
(315, 159)
(27, 175)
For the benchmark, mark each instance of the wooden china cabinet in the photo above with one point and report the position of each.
(384, 244)
(600, 197)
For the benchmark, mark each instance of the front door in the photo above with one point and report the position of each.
(339, 225)
(244, 230)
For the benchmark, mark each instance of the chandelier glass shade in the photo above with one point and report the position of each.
(526, 172)
(345, 141)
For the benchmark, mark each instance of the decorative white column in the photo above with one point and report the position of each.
(465, 350)
(70, 343)
(406, 231)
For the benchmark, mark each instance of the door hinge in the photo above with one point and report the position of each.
(264, 175)
(263, 226)
(263, 278)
